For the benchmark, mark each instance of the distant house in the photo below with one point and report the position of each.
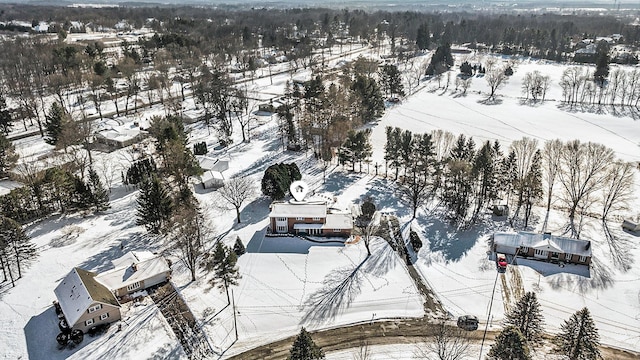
(212, 176)
(135, 271)
(85, 302)
(317, 216)
(116, 134)
(543, 247)
(7, 185)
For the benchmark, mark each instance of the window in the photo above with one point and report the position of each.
(281, 219)
(281, 228)
(568, 257)
(133, 286)
(336, 230)
(89, 322)
(95, 308)
(316, 219)
(299, 218)
(104, 316)
(541, 252)
(583, 259)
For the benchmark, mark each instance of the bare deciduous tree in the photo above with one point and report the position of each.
(551, 166)
(617, 187)
(236, 191)
(524, 150)
(536, 85)
(583, 173)
(190, 231)
(572, 81)
(363, 352)
(447, 343)
(495, 76)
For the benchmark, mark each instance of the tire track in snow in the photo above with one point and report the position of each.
(498, 120)
(607, 130)
(400, 112)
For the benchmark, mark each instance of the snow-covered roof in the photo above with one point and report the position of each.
(211, 175)
(7, 185)
(136, 270)
(131, 257)
(78, 290)
(547, 245)
(120, 133)
(209, 163)
(545, 242)
(298, 209)
(338, 221)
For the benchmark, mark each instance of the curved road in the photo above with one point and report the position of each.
(405, 331)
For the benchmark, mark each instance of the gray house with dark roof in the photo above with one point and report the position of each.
(85, 302)
(543, 247)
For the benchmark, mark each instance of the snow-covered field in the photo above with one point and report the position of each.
(286, 284)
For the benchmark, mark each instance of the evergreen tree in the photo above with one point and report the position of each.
(391, 80)
(15, 246)
(304, 348)
(441, 61)
(82, 197)
(405, 150)
(223, 263)
(392, 149)
(423, 156)
(99, 195)
(8, 156)
(54, 123)
(602, 63)
(154, 205)
(358, 147)
(423, 37)
(526, 316)
(5, 116)
(140, 170)
(238, 247)
(277, 179)
(509, 345)
(370, 101)
(532, 189)
(578, 338)
(466, 69)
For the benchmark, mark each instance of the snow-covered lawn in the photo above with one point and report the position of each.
(289, 282)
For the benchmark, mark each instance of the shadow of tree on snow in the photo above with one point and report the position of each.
(341, 286)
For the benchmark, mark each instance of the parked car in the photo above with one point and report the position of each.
(468, 322)
(501, 260)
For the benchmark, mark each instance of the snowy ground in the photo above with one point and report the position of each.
(282, 278)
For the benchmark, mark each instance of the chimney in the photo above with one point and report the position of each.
(134, 267)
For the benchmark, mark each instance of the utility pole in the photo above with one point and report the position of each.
(235, 322)
(488, 316)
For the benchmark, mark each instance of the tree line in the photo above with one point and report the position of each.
(467, 180)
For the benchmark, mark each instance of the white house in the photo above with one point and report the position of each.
(117, 134)
(85, 302)
(543, 247)
(135, 271)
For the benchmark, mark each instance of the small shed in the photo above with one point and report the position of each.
(213, 169)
